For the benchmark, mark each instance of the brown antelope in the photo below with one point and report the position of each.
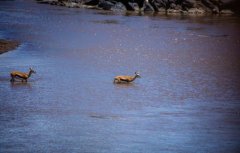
(126, 79)
(21, 75)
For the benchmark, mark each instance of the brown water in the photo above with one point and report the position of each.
(187, 100)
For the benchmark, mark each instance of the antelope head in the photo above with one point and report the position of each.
(137, 75)
(31, 70)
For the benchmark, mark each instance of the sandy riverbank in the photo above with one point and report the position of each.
(7, 45)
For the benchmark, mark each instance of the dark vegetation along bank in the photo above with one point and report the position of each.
(164, 6)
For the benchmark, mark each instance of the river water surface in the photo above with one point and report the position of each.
(187, 100)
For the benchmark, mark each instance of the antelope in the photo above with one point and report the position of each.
(21, 75)
(126, 79)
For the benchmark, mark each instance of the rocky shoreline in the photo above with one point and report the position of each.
(7, 45)
(192, 7)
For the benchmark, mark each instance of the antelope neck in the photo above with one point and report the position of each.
(134, 78)
(29, 73)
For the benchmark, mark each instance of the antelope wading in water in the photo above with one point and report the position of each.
(21, 75)
(126, 79)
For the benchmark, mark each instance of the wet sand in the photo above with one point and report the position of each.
(7, 45)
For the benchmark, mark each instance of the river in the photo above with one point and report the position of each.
(186, 101)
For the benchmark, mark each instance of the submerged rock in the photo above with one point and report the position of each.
(226, 12)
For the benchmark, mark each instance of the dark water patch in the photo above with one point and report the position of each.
(212, 36)
(220, 35)
(98, 116)
(117, 13)
(104, 116)
(195, 28)
(106, 21)
(105, 13)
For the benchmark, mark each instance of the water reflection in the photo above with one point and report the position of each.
(125, 85)
(20, 85)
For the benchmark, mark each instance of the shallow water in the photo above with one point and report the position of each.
(186, 101)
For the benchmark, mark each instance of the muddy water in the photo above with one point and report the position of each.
(187, 100)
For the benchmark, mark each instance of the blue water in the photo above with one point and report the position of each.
(187, 100)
